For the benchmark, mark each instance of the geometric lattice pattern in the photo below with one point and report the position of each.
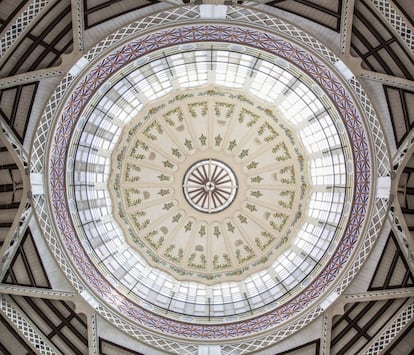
(21, 23)
(387, 335)
(271, 339)
(404, 343)
(11, 342)
(383, 163)
(351, 120)
(9, 11)
(27, 329)
(43, 42)
(391, 14)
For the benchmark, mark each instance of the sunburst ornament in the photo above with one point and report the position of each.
(210, 186)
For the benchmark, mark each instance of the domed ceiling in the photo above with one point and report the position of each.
(212, 175)
(170, 182)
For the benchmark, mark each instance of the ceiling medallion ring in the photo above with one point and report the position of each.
(210, 186)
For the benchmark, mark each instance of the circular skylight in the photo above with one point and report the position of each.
(261, 118)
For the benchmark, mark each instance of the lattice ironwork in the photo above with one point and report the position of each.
(383, 166)
(10, 340)
(388, 334)
(390, 13)
(14, 143)
(173, 16)
(22, 22)
(374, 228)
(17, 232)
(402, 208)
(383, 161)
(9, 12)
(401, 231)
(404, 152)
(42, 213)
(263, 342)
(43, 43)
(285, 29)
(402, 343)
(37, 163)
(27, 328)
(141, 334)
(350, 118)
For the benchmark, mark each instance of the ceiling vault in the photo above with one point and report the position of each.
(43, 311)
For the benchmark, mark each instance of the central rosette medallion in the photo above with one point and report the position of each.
(209, 185)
